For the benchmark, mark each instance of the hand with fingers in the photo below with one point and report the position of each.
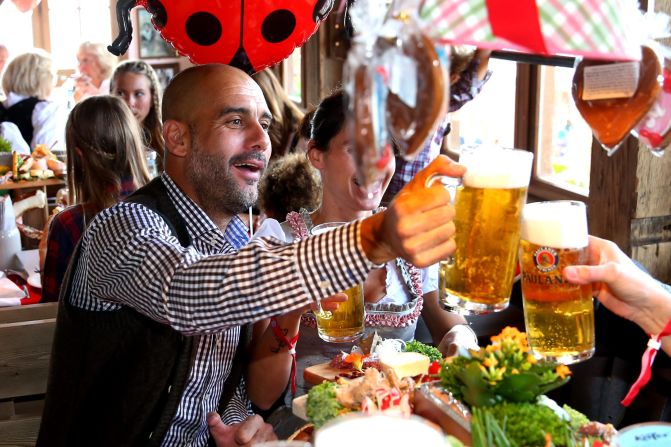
(417, 226)
(622, 287)
(246, 433)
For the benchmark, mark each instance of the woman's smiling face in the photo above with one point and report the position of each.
(340, 179)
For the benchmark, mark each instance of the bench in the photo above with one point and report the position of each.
(26, 336)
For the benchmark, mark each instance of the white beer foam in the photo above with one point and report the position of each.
(496, 167)
(558, 224)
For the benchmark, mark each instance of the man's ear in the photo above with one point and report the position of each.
(315, 156)
(177, 138)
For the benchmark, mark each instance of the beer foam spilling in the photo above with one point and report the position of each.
(559, 224)
(495, 167)
(379, 429)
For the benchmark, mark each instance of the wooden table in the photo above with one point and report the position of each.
(28, 184)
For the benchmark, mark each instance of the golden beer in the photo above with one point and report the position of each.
(347, 322)
(559, 316)
(478, 278)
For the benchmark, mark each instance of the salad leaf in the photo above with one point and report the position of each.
(322, 405)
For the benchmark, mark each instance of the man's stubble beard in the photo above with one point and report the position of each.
(217, 189)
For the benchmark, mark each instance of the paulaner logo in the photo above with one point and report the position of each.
(546, 259)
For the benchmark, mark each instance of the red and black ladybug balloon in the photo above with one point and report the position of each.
(248, 34)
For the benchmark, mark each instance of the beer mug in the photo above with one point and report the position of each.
(478, 277)
(346, 324)
(559, 316)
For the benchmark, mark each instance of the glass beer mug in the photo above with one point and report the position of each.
(559, 316)
(478, 277)
(345, 324)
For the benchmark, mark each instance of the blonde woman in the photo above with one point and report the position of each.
(105, 164)
(28, 82)
(95, 66)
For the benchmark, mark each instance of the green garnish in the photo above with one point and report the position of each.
(5, 146)
(417, 346)
(322, 405)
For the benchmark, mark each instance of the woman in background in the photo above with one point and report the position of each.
(105, 164)
(395, 295)
(95, 66)
(137, 84)
(286, 114)
(28, 83)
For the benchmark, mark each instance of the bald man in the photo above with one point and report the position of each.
(148, 333)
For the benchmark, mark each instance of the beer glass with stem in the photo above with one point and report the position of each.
(478, 277)
(559, 316)
(345, 324)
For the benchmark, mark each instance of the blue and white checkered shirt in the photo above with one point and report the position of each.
(129, 257)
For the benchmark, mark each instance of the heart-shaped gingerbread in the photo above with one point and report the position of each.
(612, 119)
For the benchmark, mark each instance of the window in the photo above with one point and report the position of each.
(490, 117)
(292, 76)
(564, 140)
(87, 20)
(16, 29)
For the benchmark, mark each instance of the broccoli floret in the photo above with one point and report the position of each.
(417, 346)
(577, 418)
(525, 424)
(322, 405)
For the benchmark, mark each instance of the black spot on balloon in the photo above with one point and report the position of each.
(278, 25)
(203, 28)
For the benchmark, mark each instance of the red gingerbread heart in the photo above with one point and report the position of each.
(612, 119)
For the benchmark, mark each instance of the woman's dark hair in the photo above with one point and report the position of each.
(328, 119)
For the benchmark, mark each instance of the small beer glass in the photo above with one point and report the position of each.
(346, 324)
(478, 277)
(559, 316)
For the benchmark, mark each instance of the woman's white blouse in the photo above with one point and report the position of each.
(48, 120)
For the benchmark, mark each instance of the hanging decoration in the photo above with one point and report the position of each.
(248, 34)
(613, 97)
(395, 83)
(595, 29)
(654, 130)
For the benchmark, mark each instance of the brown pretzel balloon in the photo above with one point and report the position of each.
(612, 119)
(412, 122)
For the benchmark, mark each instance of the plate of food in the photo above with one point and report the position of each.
(497, 395)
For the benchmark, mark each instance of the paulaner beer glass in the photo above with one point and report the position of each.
(345, 324)
(478, 278)
(559, 315)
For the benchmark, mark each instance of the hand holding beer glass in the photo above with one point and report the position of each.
(559, 316)
(478, 278)
(345, 324)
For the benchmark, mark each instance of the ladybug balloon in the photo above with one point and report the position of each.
(248, 34)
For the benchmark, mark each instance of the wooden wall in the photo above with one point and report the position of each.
(651, 222)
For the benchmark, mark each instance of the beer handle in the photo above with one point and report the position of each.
(450, 183)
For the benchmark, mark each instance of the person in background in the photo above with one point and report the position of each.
(27, 113)
(163, 282)
(95, 66)
(286, 114)
(301, 138)
(105, 164)
(137, 84)
(395, 295)
(468, 74)
(290, 183)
